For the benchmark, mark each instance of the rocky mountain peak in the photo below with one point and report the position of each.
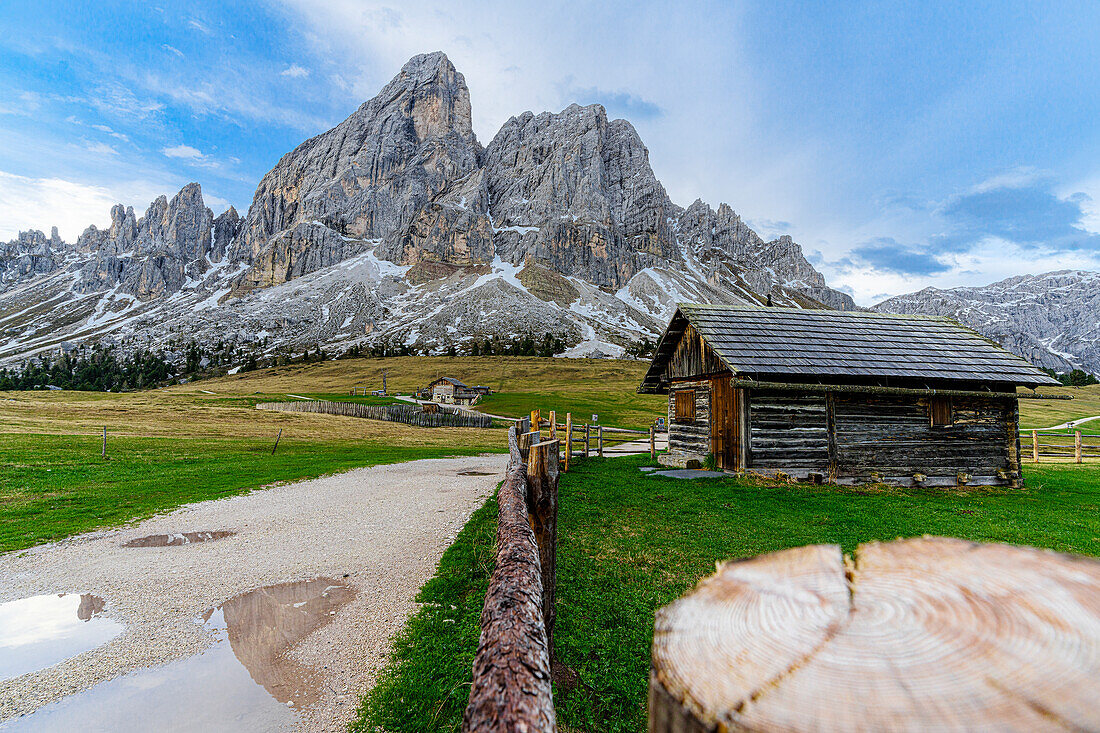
(397, 226)
(366, 178)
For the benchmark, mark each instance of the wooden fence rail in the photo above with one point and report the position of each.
(408, 414)
(1075, 446)
(511, 688)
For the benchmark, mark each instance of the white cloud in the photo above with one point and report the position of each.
(294, 71)
(28, 102)
(199, 26)
(99, 148)
(108, 130)
(172, 49)
(40, 203)
(183, 151)
(190, 155)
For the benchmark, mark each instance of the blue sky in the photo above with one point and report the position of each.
(902, 144)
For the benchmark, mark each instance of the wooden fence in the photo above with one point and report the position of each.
(582, 440)
(1060, 446)
(408, 414)
(511, 688)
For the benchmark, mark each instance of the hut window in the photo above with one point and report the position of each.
(685, 405)
(940, 409)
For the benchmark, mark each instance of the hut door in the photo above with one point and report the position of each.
(725, 424)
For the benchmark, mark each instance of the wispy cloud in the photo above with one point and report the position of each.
(294, 71)
(99, 148)
(199, 26)
(185, 152)
(172, 49)
(618, 103)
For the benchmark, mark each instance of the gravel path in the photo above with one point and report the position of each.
(384, 527)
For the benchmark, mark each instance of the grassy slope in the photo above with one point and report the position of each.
(1045, 413)
(629, 544)
(205, 440)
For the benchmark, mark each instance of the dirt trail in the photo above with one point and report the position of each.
(381, 530)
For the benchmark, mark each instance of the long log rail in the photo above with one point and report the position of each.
(407, 414)
(511, 688)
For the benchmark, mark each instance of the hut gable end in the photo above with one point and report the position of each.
(693, 357)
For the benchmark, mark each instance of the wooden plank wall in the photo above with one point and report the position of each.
(788, 432)
(852, 436)
(690, 438)
(693, 358)
(893, 436)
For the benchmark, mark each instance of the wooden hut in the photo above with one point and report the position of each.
(845, 397)
(448, 390)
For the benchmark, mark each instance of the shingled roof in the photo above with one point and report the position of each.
(824, 344)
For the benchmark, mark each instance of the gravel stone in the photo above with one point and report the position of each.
(385, 527)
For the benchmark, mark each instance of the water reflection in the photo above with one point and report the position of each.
(244, 682)
(39, 632)
(179, 538)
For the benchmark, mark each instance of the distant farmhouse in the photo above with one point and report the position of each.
(844, 397)
(450, 391)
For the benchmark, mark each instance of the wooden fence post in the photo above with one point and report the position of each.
(277, 441)
(587, 439)
(568, 439)
(1035, 445)
(535, 421)
(553, 425)
(1077, 445)
(542, 503)
(653, 442)
(599, 440)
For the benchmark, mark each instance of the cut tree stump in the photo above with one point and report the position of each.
(918, 634)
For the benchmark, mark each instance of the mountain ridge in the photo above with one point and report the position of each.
(398, 226)
(1050, 319)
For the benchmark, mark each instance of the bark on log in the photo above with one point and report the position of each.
(917, 634)
(511, 688)
(542, 503)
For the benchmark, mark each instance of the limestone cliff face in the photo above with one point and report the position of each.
(371, 175)
(151, 257)
(575, 191)
(31, 254)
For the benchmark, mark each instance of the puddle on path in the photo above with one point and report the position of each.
(243, 682)
(179, 538)
(40, 631)
(476, 473)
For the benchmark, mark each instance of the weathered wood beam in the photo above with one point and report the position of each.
(872, 389)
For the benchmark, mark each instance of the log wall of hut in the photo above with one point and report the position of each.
(788, 432)
(689, 439)
(863, 437)
(894, 437)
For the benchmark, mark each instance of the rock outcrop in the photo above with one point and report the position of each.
(151, 257)
(368, 177)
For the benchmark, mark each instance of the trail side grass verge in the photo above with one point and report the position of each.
(629, 544)
(53, 486)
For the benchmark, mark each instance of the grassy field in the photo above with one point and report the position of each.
(205, 440)
(629, 544)
(53, 483)
(1047, 413)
